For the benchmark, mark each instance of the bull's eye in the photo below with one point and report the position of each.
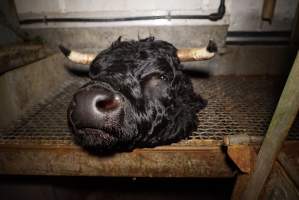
(155, 85)
(152, 76)
(152, 79)
(163, 77)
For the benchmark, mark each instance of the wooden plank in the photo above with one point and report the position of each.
(288, 158)
(240, 139)
(205, 161)
(282, 120)
(243, 156)
(240, 186)
(279, 186)
(286, 175)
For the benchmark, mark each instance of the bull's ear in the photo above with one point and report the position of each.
(116, 42)
(118, 39)
(77, 57)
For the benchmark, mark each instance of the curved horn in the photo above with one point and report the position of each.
(76, 57)
(197, 54)
(185, 54)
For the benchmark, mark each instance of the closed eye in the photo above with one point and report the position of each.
(155, 84)
(148, 77)
(156, 76)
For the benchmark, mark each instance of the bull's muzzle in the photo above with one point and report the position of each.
(93, 105)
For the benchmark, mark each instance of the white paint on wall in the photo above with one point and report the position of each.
(38, 6)
(245, 15)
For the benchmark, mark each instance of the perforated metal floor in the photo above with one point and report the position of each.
(235, 105)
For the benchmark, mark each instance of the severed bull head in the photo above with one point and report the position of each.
(138, 96)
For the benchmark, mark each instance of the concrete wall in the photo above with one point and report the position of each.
(65, 6)
(8, 23)
(248, 60)
(24, 87)
(245, 15)
(7, 36)
(102, 37)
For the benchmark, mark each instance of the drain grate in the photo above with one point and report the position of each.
(236, 105)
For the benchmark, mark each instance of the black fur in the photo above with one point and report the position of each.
(159, 106)
(64, 50)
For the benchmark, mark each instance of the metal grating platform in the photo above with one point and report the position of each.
(236, 105)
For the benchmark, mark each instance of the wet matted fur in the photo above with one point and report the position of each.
(158, 105)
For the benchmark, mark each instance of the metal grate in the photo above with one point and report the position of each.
(236, 105)
(45, 123)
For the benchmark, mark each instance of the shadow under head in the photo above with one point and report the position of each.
(138, 96)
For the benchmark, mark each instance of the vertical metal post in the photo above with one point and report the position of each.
(268, 10)
(282, 120)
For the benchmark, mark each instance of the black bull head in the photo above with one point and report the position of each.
(138, 96)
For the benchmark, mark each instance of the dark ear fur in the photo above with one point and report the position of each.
(149, 39)
(187, 94)
(188, 103)
(116, 42)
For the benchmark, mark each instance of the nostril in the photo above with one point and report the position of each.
(108, 104)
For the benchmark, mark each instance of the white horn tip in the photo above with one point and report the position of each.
(212, 47)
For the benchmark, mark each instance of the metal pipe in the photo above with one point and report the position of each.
(213, 17)
(281, 122)
(268, 10)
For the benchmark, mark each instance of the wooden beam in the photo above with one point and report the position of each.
(289, 160)
(239, 187)
(281, 122)
(71, 160)
(279, 185)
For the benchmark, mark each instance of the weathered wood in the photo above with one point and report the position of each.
(167, 161)
(288, 158)
(243, 156)
(279, 186)
(242, 139)
(282, 120)
(240, 186)
(268, 10)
